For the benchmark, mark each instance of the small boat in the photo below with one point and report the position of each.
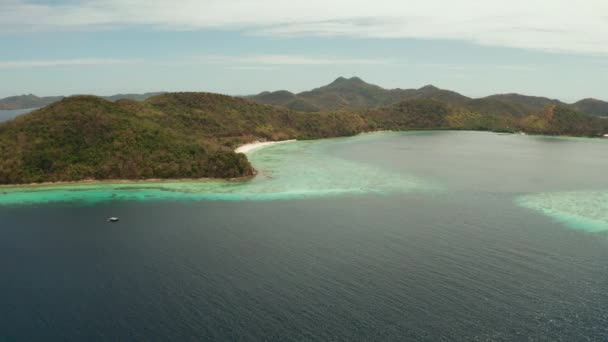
(113, 219)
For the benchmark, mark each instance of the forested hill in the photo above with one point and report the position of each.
(86, 137)
(354, 93)
(592, 106)
(193, 135)
(33, 101)
(181, 135)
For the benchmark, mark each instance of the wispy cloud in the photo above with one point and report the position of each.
(20, 64)
(550, 25)
(278, 60)
(247, 62)
(479, 68)
(250, 67)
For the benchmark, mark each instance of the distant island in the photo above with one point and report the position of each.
(33, 101)
(354, 93)
(194, 135)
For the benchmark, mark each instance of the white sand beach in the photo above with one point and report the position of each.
(258, 144)
(376, 132)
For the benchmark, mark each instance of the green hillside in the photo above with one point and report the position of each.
(33, 101)
(86, 137)
(193, 135)
(592, 106)
(353, 93)
(356, 94)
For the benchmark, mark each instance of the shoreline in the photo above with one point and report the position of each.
(246, 148)
(126, 181)
(241, 149)
(376, 132)
(259, 144)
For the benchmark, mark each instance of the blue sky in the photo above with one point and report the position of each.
(537, 47)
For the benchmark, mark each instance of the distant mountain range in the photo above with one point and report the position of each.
(354, 93)
(33, 101)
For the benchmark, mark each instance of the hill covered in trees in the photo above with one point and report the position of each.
(592, 106)
(193, 135)
(86, 137)
(33, 101)
(354, 93)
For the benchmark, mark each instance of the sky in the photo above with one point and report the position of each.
(554, 48)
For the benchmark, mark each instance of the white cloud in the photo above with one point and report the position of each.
(552, 25)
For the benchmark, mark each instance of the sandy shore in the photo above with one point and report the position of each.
(258, 144)
(375, 132)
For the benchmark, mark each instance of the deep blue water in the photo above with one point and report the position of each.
(463, 262)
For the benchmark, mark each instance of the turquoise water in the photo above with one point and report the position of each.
(580, 210)
(308, 169)
(301, 169)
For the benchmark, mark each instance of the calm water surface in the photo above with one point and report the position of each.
(431, 236)
(6, 115)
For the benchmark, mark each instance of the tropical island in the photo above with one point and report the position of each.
(194, 135)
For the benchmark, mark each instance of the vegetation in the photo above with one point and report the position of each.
(352, 94)
(193, 135)
(90, 138)
(355, 94)
(561, 120)
(33, 101)
(592, 106)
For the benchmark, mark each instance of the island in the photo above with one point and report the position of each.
(194, 135)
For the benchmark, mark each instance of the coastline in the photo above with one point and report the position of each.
(259, 144)
(241, 149)
(377, 132)
(125, 181)
(246, 148)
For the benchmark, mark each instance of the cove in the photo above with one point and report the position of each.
(302, 169)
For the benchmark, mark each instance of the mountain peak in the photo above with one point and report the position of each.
(342, 81)
(590, 100)
(429, 87)
(339, 80)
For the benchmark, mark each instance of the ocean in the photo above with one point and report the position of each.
(421, 236)
(6, 115)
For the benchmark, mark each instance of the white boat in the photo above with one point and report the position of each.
(113, 219)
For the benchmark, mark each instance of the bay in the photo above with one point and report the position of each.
(426, 236)
(6, 115)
